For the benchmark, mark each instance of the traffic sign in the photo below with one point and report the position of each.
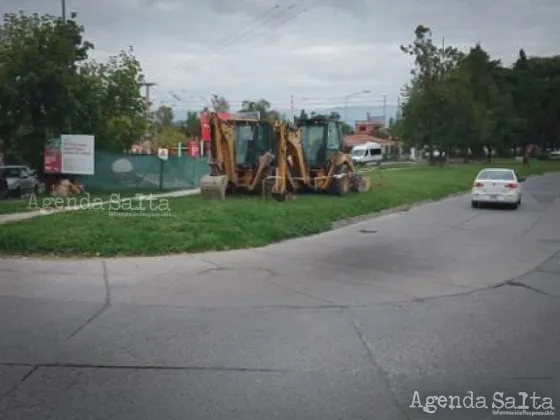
(163, 154)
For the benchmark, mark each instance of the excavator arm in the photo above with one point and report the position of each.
(221, 160)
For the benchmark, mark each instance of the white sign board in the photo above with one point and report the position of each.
(163, 154)
(77, 154)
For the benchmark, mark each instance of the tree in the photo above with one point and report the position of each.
(470, 102)
(333, 115)
(57, 90)
(192, 124)
(261, 106)
(220, 104)
(119, 101)
(43, 53)
(429, 94)
(168, 137)
(164, 116)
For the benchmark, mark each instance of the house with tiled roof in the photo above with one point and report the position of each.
(364, 132)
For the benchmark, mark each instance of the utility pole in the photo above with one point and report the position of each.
(442, 56)
(148, 103)
(398, 107)
(148, 85)
(347, 97)
(292, 107)
(385, 110)
(63, 10)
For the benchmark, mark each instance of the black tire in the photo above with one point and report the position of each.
(474, 204)
(36, 189)
(18, 193)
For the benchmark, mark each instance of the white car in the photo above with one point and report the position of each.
(497, 186)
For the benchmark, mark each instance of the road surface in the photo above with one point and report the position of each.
(442, 300)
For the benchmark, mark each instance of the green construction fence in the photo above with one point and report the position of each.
(121, 172)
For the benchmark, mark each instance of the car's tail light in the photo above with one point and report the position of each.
(478, 185)
(512, 186)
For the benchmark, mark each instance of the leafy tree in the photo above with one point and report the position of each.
(430, 86)
(164, 116)
(192, 124)
(118, 100)
(48, 87)
(333, 115)
(168, 137)
(220, 104)
(39, 58)
(261, 106)
(469, 102)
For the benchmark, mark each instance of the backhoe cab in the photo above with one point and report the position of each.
(311, 157)
(241, 153)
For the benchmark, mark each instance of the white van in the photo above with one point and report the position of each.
(367, 153)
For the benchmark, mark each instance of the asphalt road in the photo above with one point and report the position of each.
(442, 300)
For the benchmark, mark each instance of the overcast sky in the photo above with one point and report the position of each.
(317, 50)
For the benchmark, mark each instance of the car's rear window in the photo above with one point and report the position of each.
(497, 175)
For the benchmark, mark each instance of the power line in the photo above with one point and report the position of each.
(287, 106)
(232, 37)
(306, 101)
(291, 14)
(228, 40)
(307, 104)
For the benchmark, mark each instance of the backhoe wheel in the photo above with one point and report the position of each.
(341, 186)
(360, 183)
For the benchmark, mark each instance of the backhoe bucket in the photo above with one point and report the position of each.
(213, 187)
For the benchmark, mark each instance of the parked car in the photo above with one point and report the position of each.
(20, 180)
(554, 155)
(497, 186)
(3, 188)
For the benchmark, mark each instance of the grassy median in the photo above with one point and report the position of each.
(32, 202)
(191, 224)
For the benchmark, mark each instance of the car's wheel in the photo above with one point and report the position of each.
(18, 193)
(36, 189)
(474, 204)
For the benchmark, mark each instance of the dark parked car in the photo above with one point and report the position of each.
(20, 180)
(3, 188)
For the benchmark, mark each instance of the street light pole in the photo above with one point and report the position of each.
(346, 101)
(63, 10)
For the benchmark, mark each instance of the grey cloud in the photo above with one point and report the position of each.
(335, 47)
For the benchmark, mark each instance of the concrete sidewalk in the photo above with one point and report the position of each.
(14, 217)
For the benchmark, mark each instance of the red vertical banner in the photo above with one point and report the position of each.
(52, 157)
(205, 125)
(194, 148)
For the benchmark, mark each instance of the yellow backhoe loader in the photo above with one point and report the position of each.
(310, 157)
(240, 156)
